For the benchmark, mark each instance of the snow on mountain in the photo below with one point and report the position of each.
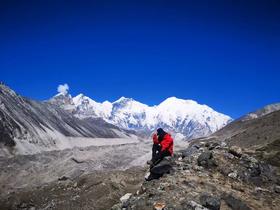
(28, 126)
(261, 112)
(85, 106)
(185, 117)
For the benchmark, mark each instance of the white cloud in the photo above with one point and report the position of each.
(63, 88)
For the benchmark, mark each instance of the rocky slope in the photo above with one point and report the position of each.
(261, 135)
(251, 133)
(210, 176)
(261, 112)
(178, 116)
(29, 126)
(222, 171)
(236, 168)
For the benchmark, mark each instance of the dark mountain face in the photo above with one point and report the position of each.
(259, 134)
(40, 123)
(252, 133)
(262, 112)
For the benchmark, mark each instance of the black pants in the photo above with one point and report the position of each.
(162, 166)
(156, 149)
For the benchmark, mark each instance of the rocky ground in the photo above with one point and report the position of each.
(99, 190)
(80, 178)
(210, 176)
(92, 177)
(207, 175)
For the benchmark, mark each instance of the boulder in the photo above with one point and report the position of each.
(206, 160)
(236, 151)
(190, 151)
(192, 205)
(235, 203)
(210, 202)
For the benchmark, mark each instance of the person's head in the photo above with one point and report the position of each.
(160, 131)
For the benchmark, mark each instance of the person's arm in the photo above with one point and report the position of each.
(155, 139)
(165, 144)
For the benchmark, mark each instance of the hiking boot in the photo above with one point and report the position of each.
(149, 162)
(152, 176)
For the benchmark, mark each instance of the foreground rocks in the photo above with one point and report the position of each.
(99, 190)
(211, 176)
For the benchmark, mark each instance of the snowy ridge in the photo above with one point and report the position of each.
(28, 126)
(261, 112)
(185, 117)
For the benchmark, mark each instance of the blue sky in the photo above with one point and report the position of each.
(221, 53)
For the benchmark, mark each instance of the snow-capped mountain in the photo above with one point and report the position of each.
(28, 126)
(179, 116)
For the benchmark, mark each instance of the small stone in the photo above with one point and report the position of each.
(194, 206)
(116, 207)
(232, 175)
(125, 198)
(75, 184)
(201, 149)
(259, 189)
(229, 156)
(63, 178)
(23, 205)
(253, 160)
(225, 170)
(236, 151)
(159, 206)
(213, 146)
(277, 189)
(223, 144)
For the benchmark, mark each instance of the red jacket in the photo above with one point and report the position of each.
(155, 139)
(166, 143)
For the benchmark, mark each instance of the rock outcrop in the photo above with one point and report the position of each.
(211, 179)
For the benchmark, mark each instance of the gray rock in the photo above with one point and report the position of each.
(277, 189)
(63, 178)
(225, 170)
(236, 151)
(223, 144)
(125, 199)
(235, 203)
(192, 205)
(190, 151)
(116, 207)
(210, 202)
(232, 175)
(206, 160)
(213, 146)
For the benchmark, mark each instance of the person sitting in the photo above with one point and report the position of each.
(162, 149)
(155, 149)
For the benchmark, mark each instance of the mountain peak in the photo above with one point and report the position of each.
(123, 100)
(174, 100)
(128, 113)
